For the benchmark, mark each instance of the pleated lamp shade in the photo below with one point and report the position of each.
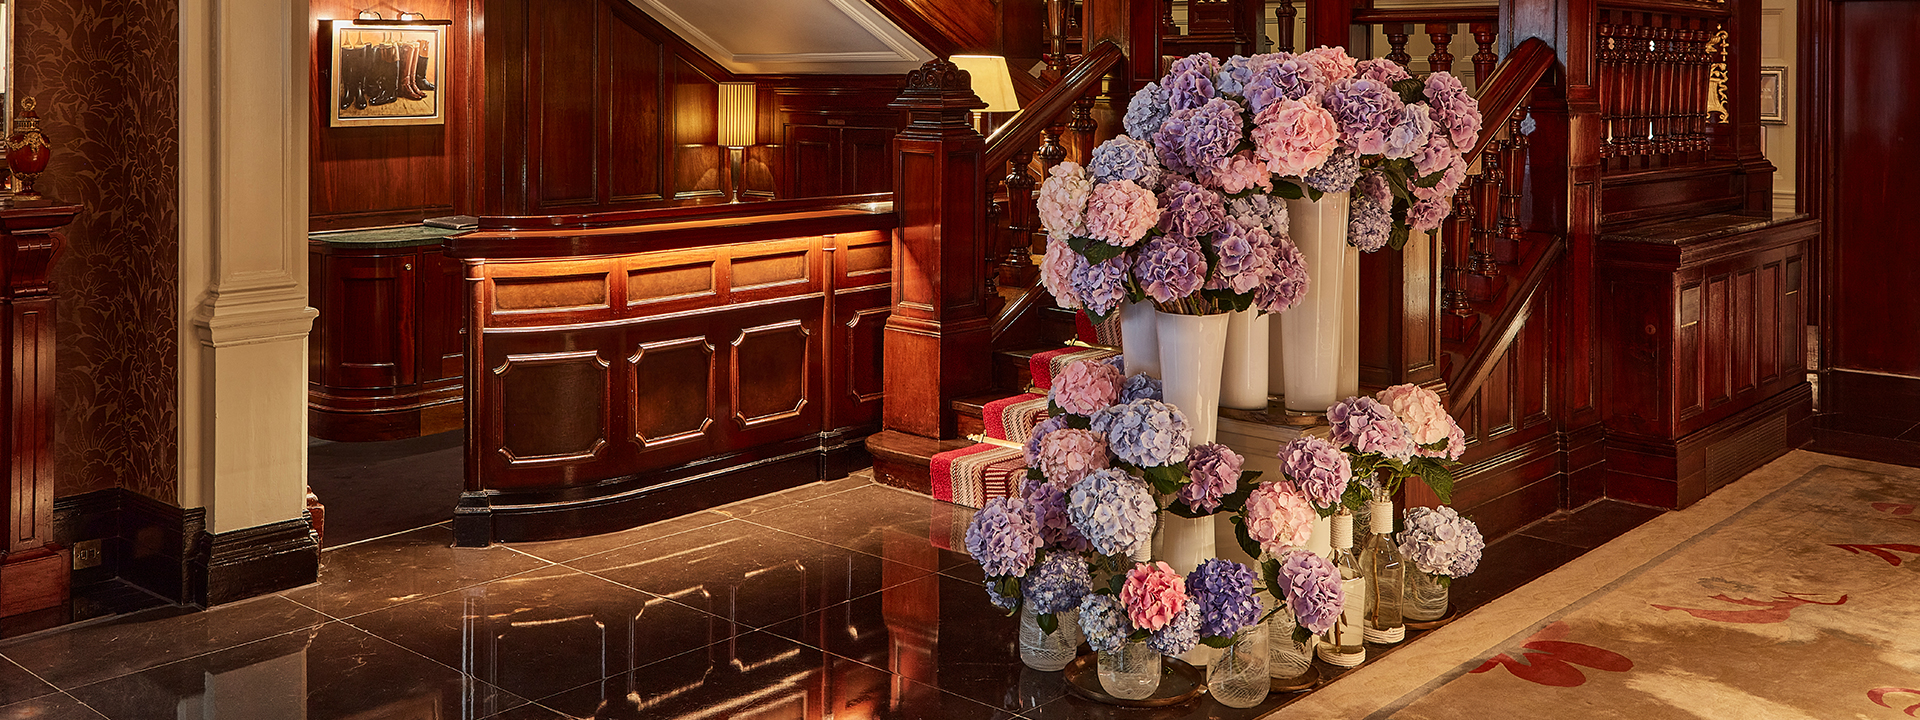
(991, 81)
(736, 114)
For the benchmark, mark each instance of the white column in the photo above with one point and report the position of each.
(243, 279)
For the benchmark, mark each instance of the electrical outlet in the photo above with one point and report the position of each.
(86, 554)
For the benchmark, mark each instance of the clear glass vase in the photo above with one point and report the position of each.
(1286, 658)
(1238, 675)
(1130, 673)
(1426, 597)
(1049, 652)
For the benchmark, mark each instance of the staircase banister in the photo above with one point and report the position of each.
(1509, 87)
(1421, 15)
(1022, 131)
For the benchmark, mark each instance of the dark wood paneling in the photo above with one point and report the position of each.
(387, 355)
(34, 568)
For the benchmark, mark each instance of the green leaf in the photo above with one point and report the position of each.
(1411, 91)
(1140, 635)
(1301, 635)
(1247, 545)
(1035, 475)
(1444, 580)
(1215, 641)
(1270, 574)
(1047, 622)
(1438, 478)
(1270, 613)
(1118, 580)
(1079, 423)
(1397, 239)
(1315, 194)
(1288, 190)
(1168, 479)
(1431, 181)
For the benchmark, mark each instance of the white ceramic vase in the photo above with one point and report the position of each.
(1140, 338)
(1192, 350)
(1243, 371)
(1315, 343)
(1349, 322)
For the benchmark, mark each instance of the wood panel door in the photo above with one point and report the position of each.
(380, 353)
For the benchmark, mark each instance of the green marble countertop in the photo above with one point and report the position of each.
(1701, 228)
(387, 237)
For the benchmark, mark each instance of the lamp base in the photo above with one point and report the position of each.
(733, 178)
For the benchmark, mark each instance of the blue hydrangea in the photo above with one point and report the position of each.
(1146, 111)
(1057, 583)
(1234, 74)
(1145, 433)
(1224, 591)
(1141, 387)
(1180, 634)
(1000, 601)
(1369, 224)
(1336, 175)
(1113, 511)
(1003, 537)
(1040, 431)
(1126, 158)
(1104, 622)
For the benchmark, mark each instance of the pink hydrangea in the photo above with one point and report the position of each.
(1063, 200)
(1087, 387)
(1383, 70)
(1420, 410)
(1120, 213)
(1153, 595)
(1333, 62)
(1456, 444)
(1055, 269)
(1294, 137)
(1278, 517)
(1239, 173)
(1428, 213)
(1069, 455)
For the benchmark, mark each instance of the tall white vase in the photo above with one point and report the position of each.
(1350, 324)
(1140, 338)
(1243, 374)
(1184, 543)
(1315, 342)
(1192, 350)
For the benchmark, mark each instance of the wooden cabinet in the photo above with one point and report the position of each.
(388, 353)
(34, 570)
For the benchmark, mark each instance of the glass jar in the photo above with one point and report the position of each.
(1046, 651)
(1426, 597)
(1238, 675)
(1286, 658)
(1131, 672)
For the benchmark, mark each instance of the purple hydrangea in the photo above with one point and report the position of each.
(1366, 111)
(1318, 468)
(1141, 387)
(1000, 601)
(1264, 211)
(1428, 213)
(1383, 70)
(1101, 286)
(1170, 267)
(1411, 133)
(1440, 542)
(1288, 281)
(1234, 74)
(1146, 111)
(1104, 622)
(1368, 427)
(1312, 587)
(1145, 433)
(1179, 635)
(1283, 77)
(1040, 431)
(1199, 138)
(1373, 185)
(1454, 109)
(1369, 224)
(1003, 537)
(1189, 82)
(1223, 589)
(1126, 158)
(1049, 505)
(1214, 470)
(1245, 258)
(1188, 210)
(1057, 584)
(1336, 175)
(1113, 511)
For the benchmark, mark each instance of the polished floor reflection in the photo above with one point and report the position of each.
(835, 600)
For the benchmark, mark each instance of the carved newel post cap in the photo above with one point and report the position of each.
(939, 93)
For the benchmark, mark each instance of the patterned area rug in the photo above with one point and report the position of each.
(1793, 593)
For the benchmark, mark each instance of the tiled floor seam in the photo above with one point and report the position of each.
(344, 618)
(69, 690)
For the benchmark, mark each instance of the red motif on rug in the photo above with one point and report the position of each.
(1879, 697)
(1895, 508)
(1884, 551)
(1549, 660)
(1779, 609)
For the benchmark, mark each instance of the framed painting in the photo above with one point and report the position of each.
(1773, 95)
(386, 74)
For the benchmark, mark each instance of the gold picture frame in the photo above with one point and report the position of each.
(388, 73)
(1773, 94)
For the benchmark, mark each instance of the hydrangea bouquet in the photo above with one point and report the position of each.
(1401, 432)
(1441, 543)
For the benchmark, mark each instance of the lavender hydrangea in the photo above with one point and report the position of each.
(1126, 158)
(1369, 224)
(1453, 108)
(1259, 210)
(1223, 589)
(1146, 111)
(1312, 587)
(1113, 511)
(1057, 584)
(1318, 468)
(1100, 286)
(1373, 185)
(1179, 635)
(1383, 70)
(1440, 542)
(1199, 138)
(1287, 284)
(1367, 426)
(1141, 387)
(1410, 133)
(1188, 210)
(1283, 77)
(1189, 83)
(1104, 622)
(1245, 258)
(1234, 74)
(1427, 213)
(1170, 267)
(1049, 505)
(1214, 472)
(1003, 602)
(1366, 111)
(1040, 431)
(1336, 175)
(1145, 433)
(1003, 537)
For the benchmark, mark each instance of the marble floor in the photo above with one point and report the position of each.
(833, 600)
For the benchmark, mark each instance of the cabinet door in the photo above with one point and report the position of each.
(867, 160)
(370, 320)
(814, 152)
(442, 305)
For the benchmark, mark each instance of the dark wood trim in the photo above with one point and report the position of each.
(168, 551)
(34, 568)
(1677, 473)
(255, 561)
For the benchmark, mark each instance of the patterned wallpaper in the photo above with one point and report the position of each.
(105, 74)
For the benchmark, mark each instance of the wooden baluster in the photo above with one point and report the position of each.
(1442, 35)
(1487, 188)
(996, 240)
(1285, 15)
(1168, 28)
(1073, 20)
(1057, 35)
(1051, 151)
(1609, 57)
(1017, 263)
(1461, 322)
(1506, 249)
(1397, 36)
(1697, 87)
(1667, 91)
(1643, 90)
(1484, 61)
(1691, 93)
(1083, 125)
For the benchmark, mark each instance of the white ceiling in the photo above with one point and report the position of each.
(791, 36)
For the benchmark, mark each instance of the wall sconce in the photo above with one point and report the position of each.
(992, 81)
(736, 120)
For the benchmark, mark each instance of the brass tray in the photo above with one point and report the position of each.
(1179, 683)
(1301, 683)
(1450, 615)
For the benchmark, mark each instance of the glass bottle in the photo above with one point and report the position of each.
(1343, 644)
(1386, 578)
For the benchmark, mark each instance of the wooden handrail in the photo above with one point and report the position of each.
(1509, 87)
(1022, 131)
(1381, 16)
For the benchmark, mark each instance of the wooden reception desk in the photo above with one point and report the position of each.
(625, 368)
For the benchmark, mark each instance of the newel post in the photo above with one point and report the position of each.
(939, 339)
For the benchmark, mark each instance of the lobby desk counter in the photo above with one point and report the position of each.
(626, 368)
